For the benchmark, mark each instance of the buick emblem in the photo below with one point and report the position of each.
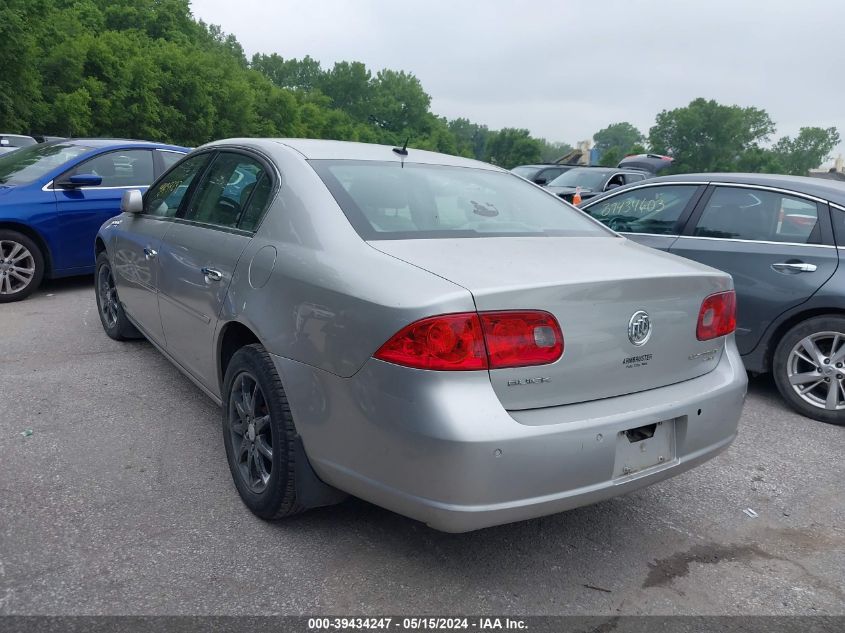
(639, 328)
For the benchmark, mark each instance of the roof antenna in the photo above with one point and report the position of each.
(403, 151)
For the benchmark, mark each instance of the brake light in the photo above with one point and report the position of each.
(450, 341)
(717, 316)
(471, 340)
(519, 339)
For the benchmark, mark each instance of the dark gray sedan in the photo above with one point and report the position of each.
(780, 237)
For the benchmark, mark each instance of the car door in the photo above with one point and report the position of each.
(82, 210)
(777, 246)
(651, 214)
(199, 255)
(135, 255)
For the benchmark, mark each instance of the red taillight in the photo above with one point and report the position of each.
(450, 341)
(471, 340)
(717, 316)
(519, 339)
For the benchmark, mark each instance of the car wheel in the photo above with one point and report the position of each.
(112, 316)
(21, 266)
(809, 368)
(259, 434)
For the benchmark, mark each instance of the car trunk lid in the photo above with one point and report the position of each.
(594, 286)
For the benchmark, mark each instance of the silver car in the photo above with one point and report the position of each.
(429, 333)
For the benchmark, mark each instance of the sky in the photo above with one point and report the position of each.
(564, 69)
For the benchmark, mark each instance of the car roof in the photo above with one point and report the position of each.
(97, 143)
(5, 135)
(818, 187)
(316, 149)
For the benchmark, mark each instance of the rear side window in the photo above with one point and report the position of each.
(386, 200)
(225, 191)
(169, 158)
(125, 168)
(653, 210)
(755, 214)
(257, 204)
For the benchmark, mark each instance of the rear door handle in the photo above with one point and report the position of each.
(791, 268)
(211, 274)
(149, 253)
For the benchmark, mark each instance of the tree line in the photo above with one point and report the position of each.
(149, 69)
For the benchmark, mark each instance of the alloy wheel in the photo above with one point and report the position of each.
(17, 267)
(251, 432)
(816, 370)
(108, 297)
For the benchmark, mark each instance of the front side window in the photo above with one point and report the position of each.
(31, 163)
(125, 168)
(164, 198)
(225, 191)
(386, 200)
(760, 215)
(646, 210)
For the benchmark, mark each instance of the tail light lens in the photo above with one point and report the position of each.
(473, 340)
(450, 341)
(717, 316)
(519, 339)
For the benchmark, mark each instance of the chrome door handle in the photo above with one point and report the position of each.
(149, 253)
(211, 274)
(794, 267)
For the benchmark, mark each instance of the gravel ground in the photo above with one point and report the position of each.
(120, 502)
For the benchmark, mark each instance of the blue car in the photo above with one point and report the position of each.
(55, 196)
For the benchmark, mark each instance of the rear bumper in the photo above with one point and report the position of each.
(439, 447)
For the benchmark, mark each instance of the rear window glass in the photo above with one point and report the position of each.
(386, 200)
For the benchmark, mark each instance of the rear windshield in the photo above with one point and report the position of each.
(386, 200)
(31, 163)
(16, 141)
(525, 172)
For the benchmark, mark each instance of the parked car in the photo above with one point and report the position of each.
(11, 142)
(541, 174)
(781, 238)
(430, 333)
(54, 197)
(650, 163)
(592, 181)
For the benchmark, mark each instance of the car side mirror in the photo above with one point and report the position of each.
(132, 201)
(540, 181)
(83, 180)
(612, 185)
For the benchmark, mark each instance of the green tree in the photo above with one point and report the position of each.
(510, 147)
(298, 74)
(708, 136)
(806, 151)
(550, 151)
(620, 136)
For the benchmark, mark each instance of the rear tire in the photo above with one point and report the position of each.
(259, 434)
(115, 322)
(809, 368)
(21, 266)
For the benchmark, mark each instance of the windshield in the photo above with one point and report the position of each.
(384, 200)
(31, 163)
(586, 178)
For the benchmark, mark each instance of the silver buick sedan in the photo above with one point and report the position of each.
(432, 334)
